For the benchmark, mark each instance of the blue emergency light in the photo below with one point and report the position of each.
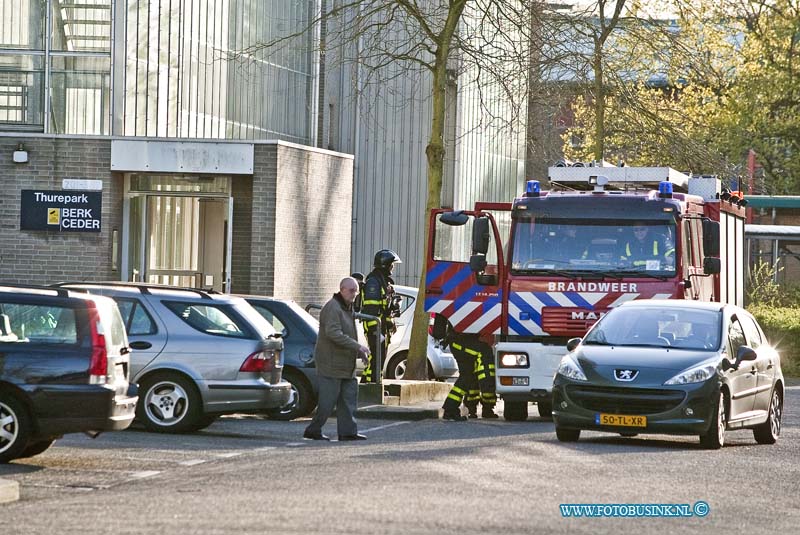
(532, 188)
(665, 190)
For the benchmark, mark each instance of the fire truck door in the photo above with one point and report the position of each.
(465, 271)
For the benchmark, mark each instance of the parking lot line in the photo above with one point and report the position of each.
(384, 426)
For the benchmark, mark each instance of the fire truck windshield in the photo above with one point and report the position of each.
(615, 247)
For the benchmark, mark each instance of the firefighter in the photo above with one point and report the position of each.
(465, 388)
(359, 277)
(377, 300)
(485, 376)
(642, 248)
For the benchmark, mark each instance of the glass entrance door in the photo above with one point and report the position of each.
(177, 235)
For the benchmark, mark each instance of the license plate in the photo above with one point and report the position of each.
(620, 420)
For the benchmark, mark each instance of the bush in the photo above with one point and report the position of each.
(782, 327)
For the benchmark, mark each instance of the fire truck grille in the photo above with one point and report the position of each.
(570, 322)
(640, 401)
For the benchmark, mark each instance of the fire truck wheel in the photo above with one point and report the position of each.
(515, 411)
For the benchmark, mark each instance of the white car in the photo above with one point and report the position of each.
(441, 363)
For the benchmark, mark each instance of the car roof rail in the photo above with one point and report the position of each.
(142, 287)
(60, 292)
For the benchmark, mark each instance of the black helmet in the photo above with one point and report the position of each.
(385, 258)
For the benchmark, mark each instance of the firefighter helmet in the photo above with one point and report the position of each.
(385, 258)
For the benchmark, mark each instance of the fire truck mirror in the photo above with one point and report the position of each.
(454, 219)
(480, 236)
(711, 266)
(710, 238)
(477, 263)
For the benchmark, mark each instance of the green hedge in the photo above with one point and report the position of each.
(782, 326)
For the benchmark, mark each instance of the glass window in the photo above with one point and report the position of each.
(678, 328)
(21, 92)
(735, 336)
(751, 332)
(273, 320)
(619, 246)
(218, 320)
(22, 24)
(80, 95)
(81, 25)
(37, 324)
(137, 320)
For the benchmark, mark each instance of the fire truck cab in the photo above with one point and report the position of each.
(528, 276)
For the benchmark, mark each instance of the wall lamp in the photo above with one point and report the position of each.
(20, 155)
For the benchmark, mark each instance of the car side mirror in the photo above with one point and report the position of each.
(572, 343)
(711, 266)
(745, 353)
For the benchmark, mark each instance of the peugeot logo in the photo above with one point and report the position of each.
(625, 375)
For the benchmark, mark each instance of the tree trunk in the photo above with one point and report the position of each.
(599, 108)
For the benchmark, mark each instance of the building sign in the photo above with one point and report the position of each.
(62, 211)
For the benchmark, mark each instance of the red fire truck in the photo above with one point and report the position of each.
(529, 275)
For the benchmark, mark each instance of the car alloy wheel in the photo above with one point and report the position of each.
(769, 431)
(170, 404)
(15, 429)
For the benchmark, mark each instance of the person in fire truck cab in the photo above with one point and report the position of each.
(377, 300)
(644, 248)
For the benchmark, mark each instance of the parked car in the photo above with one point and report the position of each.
(300, 330)
(64, 368)
(196, 354)
(441, 363)
(671, 366)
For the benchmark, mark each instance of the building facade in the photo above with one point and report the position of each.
(194, 145)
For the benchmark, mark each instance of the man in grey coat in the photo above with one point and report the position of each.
(335, 355)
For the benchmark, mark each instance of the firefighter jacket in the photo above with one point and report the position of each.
(639, 252)
(376, 301)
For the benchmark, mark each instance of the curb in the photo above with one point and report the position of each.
(9, 491)
(394, 412)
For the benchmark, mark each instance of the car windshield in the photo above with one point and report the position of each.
(660, 327)
(547, 245)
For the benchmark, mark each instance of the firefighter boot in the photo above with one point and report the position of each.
(453, 416)
(487, 411)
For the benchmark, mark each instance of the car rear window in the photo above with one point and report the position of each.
(43, 324)
(217, 320)
(137, 319)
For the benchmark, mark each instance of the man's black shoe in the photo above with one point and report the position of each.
(453, 417)
(318, 436)
(472, 415)
(488, 413)
(352, 437)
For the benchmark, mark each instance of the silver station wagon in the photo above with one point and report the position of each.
(196, 355)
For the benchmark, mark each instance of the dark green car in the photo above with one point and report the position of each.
(673, 367)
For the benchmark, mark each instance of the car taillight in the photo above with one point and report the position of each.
(430, 324)
(259, 362)
(98, 365)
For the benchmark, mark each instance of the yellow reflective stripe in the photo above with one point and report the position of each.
(481, 376)
(669, 252)
(655, 247)
(457, 389)
(371, 302)
(474, 392)
(489, 395)
(491, 366)
(370, 323)
(455, 397)
(627, 249)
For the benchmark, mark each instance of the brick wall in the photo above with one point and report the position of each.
(301, 195)
(313, 223)
(43, 256)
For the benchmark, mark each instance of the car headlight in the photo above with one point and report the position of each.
(570, 369)
(695, 374)
(513, 360)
